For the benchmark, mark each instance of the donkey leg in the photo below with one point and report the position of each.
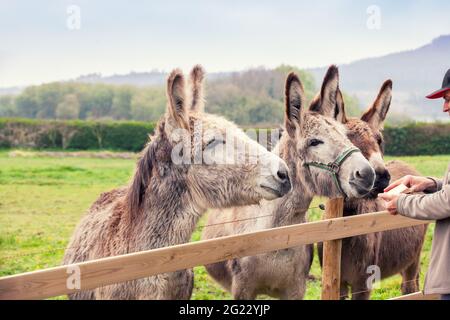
(410, 278)
(82, 295)
(180, 285)
(360, 291)
(291, 294)
(243, 281)
(241, 290)
(296, 286)
(296, 291)
(344, 291)
(119, 291)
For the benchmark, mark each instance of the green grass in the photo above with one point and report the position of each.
(42, 199)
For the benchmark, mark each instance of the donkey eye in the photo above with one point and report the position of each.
(314, 142)
(214, 142)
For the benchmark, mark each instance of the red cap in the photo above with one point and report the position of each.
(445, 87)
(438, 94)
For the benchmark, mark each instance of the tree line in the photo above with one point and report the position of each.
(254, 96)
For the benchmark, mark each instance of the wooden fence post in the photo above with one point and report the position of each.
(331, 268)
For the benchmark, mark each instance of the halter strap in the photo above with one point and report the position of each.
(334, 167)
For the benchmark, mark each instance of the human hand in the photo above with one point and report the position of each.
(414, 183)
(391, 202)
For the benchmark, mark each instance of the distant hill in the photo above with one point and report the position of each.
(415, 73)
(140, 79)
(133, 78)
(11, 90)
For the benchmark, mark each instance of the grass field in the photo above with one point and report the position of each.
(42, 199)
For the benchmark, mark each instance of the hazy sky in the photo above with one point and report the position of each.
(121, 36)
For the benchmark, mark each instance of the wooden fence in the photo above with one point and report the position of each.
(95, 273)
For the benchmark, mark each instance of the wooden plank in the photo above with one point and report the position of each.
(331, 267)
(52, 282)
(418, 296)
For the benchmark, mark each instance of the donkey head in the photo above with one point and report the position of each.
(364, 133)
(317, 141)
(222, 166)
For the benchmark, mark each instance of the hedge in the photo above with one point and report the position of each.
(412, 139)
(418, 139)
(82, 135)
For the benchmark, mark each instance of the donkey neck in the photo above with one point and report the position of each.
(169, 217)
(165, 213)
(292, 208)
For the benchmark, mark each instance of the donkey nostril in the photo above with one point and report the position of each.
(282, 174)
(382, 179)
(365, 175)
(387, 176)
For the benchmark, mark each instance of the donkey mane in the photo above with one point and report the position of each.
(148, 160)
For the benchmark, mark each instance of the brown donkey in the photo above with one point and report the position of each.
(309, 137)
(165, 198)
(395, 251)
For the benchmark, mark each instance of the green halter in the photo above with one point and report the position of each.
(335, 166)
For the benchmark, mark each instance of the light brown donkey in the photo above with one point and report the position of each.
(166, 196)
(309, 137)
(390, 252)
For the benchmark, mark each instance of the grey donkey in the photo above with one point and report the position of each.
(166, 197)
(309, 137)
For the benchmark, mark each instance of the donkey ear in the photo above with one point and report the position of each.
(376, 114)
(330, 102)
(196, 83)
(294, 99)
(340, 108)
(176, 97)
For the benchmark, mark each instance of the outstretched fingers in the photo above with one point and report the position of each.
(404, 180)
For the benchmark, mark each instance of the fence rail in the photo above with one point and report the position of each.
(417, 296)
(95, 273)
